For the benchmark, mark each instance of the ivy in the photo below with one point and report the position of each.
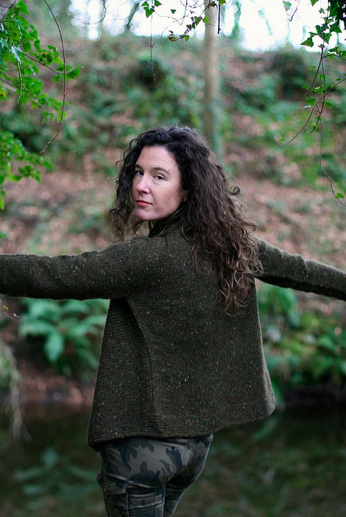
(332, 18)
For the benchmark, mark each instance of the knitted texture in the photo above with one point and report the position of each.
(172, 363)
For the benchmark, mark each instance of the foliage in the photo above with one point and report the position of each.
(301, 349)
(318, 90)
(123, 93)
(54, 474)
(159, 95)
(9, 375)
(288, 465)
(194, 14)
(70, 331)
(273, 99)
(21, 56)
(10, 388)
(332, 17)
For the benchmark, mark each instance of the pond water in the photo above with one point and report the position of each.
(291, 465)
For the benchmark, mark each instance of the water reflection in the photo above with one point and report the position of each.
(291, 465)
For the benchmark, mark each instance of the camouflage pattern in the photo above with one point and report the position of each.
(145, 477)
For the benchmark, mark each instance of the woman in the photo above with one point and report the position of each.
(182, 354)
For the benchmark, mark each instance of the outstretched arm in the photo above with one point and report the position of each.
(288, 270)
(114, 272)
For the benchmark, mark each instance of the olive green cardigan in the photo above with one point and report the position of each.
(173, 363)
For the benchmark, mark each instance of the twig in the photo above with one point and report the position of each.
(219, 19)
(39, 62)
(64, 79)
(9, 84)
(331, 182)
(294, 12)
(20, 83)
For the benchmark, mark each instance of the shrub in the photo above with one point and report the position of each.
(70, 331)
(301, 349)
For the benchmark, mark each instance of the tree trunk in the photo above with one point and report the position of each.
(211, 118)
(5, 6)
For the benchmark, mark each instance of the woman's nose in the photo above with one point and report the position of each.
(143, 184)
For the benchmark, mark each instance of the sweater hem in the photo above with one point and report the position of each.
(172, 426)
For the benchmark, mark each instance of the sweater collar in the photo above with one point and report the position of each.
(162, 226)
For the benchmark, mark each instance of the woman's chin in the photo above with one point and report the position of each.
(141, 215)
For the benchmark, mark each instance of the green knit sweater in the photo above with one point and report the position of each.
(173, 363)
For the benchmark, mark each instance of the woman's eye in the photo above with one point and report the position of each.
(159, 177)
(138, 173)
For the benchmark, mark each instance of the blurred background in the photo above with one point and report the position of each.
(258, 95)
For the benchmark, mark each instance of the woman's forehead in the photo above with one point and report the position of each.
(157, 157)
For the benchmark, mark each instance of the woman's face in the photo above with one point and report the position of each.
(156, 186)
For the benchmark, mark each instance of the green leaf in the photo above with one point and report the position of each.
(54, 347)
(75, 307)
(147, 9)
(21, 7)
(35, 328)
(311, 102)
(313, 2)
(73, 74)
(173, 11)
(308, 42)
(16, 52)
(287, 5)
(326, 342)
(339, 195)
(96, 319)
(26, 46)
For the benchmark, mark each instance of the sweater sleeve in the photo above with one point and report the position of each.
(114, 272)
(289, 270)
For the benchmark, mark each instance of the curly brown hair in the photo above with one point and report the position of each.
(210, 216)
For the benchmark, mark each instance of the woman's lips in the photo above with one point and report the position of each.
(140, 202)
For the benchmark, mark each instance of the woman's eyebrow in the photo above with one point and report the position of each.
(161, 169)
(157, 169)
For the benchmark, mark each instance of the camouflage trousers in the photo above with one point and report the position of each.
(145, 477)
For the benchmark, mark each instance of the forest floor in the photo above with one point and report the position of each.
(68, 213)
